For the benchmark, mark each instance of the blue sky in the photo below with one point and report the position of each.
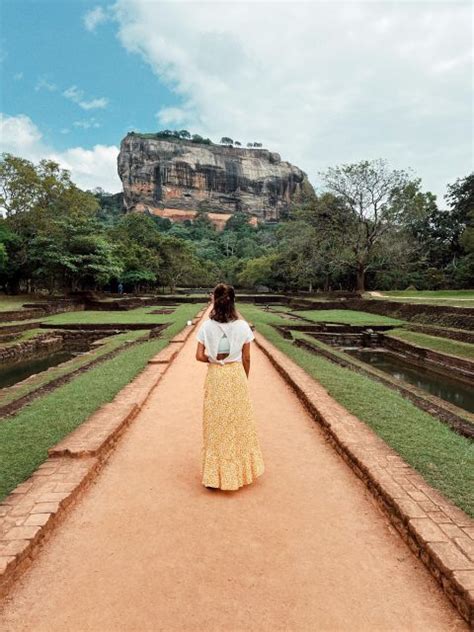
(322, 83)
(47, 51)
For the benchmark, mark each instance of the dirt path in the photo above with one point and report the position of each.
(148, 548)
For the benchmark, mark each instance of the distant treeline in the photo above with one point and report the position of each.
(194, 138)
(372, 227)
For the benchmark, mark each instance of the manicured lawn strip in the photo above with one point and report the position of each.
(443, 345)
(26, 437)
(451, 302)
(444, 458)
(15, 303)
(432, 293)
(448, 298)
(110, 344)
(138, 315)
(28, 321)
(346, 316)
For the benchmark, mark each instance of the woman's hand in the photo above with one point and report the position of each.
(201, 353)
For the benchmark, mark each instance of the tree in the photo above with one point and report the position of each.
(6, 237)
(179, 262)
(460, 198)
(73, 254)
(258, 271)
(237, 144)
(225, 140)
(140, 244)
(184, 134)
(35, 198)
(376, 199)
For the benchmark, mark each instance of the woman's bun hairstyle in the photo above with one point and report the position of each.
(223, 309)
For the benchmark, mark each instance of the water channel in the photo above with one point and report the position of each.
(445, 387)
(12, 373)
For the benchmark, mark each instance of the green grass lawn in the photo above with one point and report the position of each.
(468, 294)
(138, 315)
(444, 458)
(15, 303)
(443, 345)
(26, 437)
(453, 298)
(346, 316)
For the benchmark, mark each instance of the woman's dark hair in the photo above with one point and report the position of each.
(223, 309)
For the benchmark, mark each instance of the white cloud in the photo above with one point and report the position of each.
(321, 82)
(94, 17)
(89, 168)
(18, 76)
(44, 84)
(87, 124)
(19, 131)
(171, 115)
(76, 95)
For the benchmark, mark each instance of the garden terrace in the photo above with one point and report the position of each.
(26, 435)
(460, 420)
(426, 362)
(441, 455)
(94, 350)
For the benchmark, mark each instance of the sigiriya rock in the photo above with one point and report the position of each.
(173, 177)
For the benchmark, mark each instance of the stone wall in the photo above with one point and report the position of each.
(42, 344)
(40, 310)
(441, 362)
(444, 315)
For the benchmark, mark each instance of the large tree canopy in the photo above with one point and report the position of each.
(371, 225)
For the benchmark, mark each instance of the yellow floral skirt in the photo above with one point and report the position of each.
(231, 455)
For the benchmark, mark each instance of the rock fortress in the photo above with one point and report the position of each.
(176, 178)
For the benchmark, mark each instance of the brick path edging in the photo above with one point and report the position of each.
(436, 530)
(31, 511)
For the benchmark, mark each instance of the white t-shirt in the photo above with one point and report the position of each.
(237, 331)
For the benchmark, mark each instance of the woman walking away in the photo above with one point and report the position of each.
(231, 455)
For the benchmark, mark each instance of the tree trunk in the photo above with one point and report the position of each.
(361, 279)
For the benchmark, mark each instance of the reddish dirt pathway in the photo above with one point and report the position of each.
(148, 548)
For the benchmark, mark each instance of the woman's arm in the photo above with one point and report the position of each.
(201, 353)
(246, 357)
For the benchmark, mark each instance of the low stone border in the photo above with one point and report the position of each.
(46, 342)
(104, 326)
(435, 360)
(29, 513)
(435, 529)
(440, 332)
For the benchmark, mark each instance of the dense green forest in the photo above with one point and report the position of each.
(369, 228)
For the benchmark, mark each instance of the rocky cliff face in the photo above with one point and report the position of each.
(159, 174)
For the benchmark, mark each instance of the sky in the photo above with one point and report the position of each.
(322, 83)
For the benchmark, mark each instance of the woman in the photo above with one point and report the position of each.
(231, 455)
